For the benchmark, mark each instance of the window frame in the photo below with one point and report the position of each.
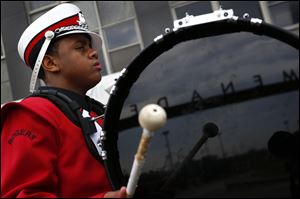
(264, 6)
(214, 6)
(2, 49)
(105, 42)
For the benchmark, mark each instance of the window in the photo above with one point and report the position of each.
(123, 55)
(153, 18)
(196, 8)
(242, 7)
(34, 5)
(114, 11)
(38, 8)
(121, 36)
(89, 11)
(284, 13)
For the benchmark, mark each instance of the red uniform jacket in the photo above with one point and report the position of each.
(43, 154)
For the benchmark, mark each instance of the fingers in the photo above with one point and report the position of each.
(117, 194)
(123, 193)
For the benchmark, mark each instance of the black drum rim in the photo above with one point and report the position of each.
(131, 73)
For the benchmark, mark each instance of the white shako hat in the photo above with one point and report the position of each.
(61, 20)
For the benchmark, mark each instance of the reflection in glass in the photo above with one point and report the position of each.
(232, 81)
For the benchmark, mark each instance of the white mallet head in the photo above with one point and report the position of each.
(152, 117)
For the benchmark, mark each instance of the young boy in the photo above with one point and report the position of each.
(43, 152)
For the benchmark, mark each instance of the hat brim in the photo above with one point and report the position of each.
(95, 38)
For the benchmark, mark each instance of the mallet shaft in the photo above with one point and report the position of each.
(139, 161)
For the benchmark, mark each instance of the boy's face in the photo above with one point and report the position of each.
(78, 62)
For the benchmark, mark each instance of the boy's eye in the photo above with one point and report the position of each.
(79, 47)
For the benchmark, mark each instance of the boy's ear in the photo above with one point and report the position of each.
(50, 64)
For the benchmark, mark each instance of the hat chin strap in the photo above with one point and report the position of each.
(49, 36)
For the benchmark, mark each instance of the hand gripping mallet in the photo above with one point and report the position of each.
(151, 118)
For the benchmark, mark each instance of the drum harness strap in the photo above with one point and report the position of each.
(71, 110)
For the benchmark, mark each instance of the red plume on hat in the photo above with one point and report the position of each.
(61, 20)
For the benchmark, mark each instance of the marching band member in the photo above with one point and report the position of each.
(43, 152)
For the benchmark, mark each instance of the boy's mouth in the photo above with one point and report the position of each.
(98, 66)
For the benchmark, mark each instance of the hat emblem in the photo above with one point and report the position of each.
(81, 20)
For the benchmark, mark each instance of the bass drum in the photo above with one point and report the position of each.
(239, 74)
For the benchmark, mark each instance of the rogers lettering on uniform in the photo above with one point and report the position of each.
(23, 133)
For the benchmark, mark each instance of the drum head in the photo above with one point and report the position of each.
(245, 84)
